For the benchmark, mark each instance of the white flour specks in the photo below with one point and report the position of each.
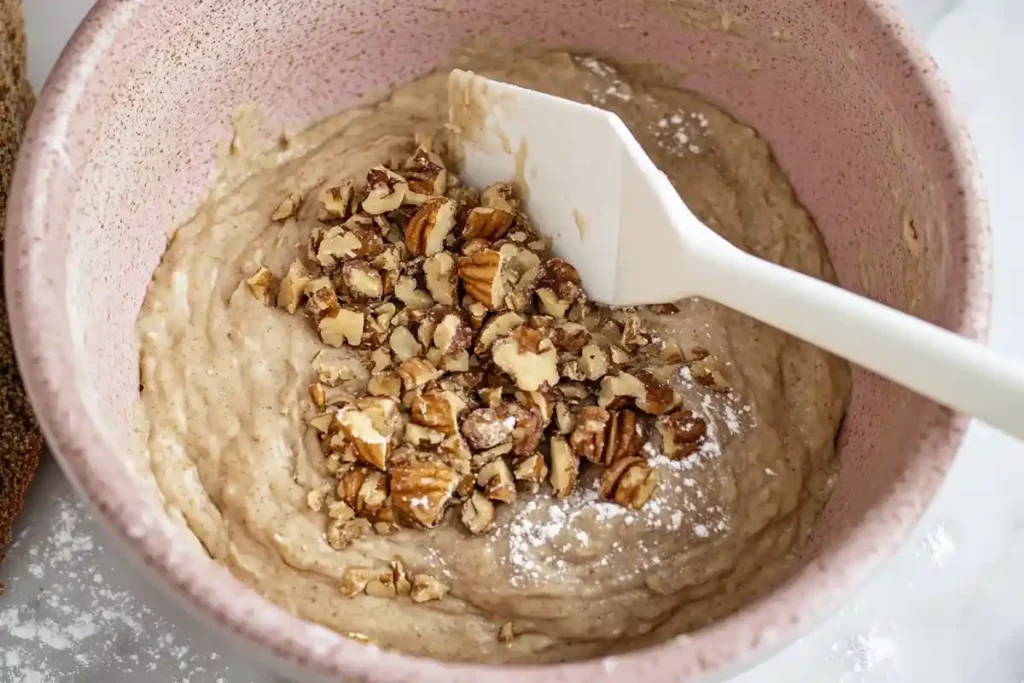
(77, 626)
(867, 652)
(940, 546)
(615, 87)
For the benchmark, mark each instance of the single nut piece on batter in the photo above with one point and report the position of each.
(427, 230)
(293, 287)
(565, 466)
(385, 191)
(261, 284)
(630, 482)
(354, 580)
(659, 397)
(341, 533)
(426, 588)
(288, 207)
(336, 203)
(488, 223)
(532, 470)
(441, 277)
(707, 371)
(682, 433)
(421, 490)
(478, 514)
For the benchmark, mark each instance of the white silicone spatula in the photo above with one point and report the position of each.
(617, 218)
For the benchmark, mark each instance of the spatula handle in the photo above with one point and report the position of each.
(954, 371)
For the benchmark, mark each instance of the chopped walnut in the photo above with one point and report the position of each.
(619, 355)
(507, 632)
(478, 514)
(421, 491)
(261, 284)
(315, 498)
(682, 433)
(403, 586)
(382, 585)
(386, 191)
(565, 421)
(426, 588)
(531, 470)
(615, 388)
(633, 335)
(630, 482)
(498, 326)
(658, 397)
(624, 438)
(388, 383)
(569, 336)
(338, 244)
(288, 207)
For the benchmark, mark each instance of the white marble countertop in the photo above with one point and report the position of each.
(945, 609)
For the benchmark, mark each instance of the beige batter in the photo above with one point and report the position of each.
(225, 380)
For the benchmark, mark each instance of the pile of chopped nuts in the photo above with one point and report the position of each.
(391, 582)
(490, 373)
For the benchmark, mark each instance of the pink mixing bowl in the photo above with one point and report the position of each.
(122, 145)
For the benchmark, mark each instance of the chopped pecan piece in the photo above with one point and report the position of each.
(496, 480)
(372, 446)
(630, 482)
(341, 533)
(417, 373)
(588, 438)
(488, 223)
(426, 176)
(362, 281)
(593, 362)
(500, 196)
(624, 437)
(261, 284)
(481, 276)
(421, 491)
(403, 344)
(452, 334)
(342, 326)
(529, 358)
(288, 207)
(485, 428)
(658, 397)
(336, 202)
(478, 514)
(426, 588)
(682, 433)
(385, 191)
(354, 580)
(571, 337)
(498, 326)
(438, 409)
(565, 467)
(441, 277)
(532, 470)
(427, 230)
(293, 287)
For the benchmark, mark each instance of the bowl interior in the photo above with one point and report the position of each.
(127, 138)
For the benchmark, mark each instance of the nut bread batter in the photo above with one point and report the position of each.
(225, 400)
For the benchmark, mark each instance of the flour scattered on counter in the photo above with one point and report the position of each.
(940, 546)
(77, 625)
(867, 652)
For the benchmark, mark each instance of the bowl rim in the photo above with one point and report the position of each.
(729, 644)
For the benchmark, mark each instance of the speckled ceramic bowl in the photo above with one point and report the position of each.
(121, 145)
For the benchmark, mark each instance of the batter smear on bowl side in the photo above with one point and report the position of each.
(374, 395)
